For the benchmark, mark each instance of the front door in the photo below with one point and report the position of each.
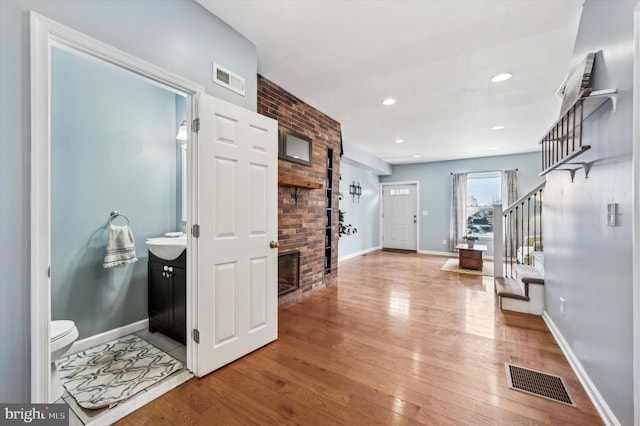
(237, 208)
(399, 217)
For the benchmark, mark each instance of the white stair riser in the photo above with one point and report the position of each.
(535, 304)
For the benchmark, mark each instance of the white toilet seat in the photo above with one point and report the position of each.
(63, 334)
(61, 328)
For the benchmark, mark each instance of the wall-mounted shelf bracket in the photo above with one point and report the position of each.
(296, 193)
(298, 185)
(585, 166)
(572, 172)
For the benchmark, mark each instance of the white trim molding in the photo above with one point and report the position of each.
(40, 220)
(107, 336)
(359, 253)
(438, 253)
(635, 185)
(45, 33)
(596, 398)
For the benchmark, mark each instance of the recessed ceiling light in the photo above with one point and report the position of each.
(399, 140)
(501, 77)
(388, 101)
(497, 128)
(493, 148)
(417, 156)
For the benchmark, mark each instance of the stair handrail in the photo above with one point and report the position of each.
(499, 214)
(524, 197)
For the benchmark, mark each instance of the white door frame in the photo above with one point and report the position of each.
(636, 214)
(408, 182)
(46, 33)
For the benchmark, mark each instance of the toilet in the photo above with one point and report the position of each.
(63, 334)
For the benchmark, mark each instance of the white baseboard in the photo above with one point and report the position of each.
(447, 254)
(438, 253)
(596, 398)
(359, 253)
(98, 339)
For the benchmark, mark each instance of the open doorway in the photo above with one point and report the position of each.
(114, 149)
(88, 147)
(230, 223)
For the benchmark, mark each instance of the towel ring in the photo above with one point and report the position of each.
(114, 214)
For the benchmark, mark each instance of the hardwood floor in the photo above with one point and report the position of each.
(397, 341)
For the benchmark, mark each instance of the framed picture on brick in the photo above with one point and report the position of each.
(294, 146)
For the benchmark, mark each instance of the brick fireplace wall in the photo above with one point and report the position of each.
(301, 226)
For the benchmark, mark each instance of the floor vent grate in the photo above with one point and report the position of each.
(537, 383)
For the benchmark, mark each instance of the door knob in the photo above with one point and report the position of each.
(274, 244)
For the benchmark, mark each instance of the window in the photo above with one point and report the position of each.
(483, 190)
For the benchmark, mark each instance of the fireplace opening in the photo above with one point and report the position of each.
(288, 272)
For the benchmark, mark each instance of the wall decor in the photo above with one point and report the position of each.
(355, 190)
(577, 82)
(294, 146)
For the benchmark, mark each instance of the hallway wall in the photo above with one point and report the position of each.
(588, 263)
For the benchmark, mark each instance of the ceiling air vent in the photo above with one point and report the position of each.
(226, 78)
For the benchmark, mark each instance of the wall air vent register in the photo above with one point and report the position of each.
(228, 79)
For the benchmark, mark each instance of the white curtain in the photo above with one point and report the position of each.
(458, 220)
(509, 196)
(509, 187)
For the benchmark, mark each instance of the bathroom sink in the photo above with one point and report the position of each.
(167, 248)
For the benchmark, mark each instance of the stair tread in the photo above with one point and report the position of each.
(529, 274)
(509, 287)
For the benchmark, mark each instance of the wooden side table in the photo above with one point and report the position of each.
(470, 258)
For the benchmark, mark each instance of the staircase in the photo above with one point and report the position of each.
(525, 291)
(518, 254)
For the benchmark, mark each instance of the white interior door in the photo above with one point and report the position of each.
(237, 211)
(400, 221)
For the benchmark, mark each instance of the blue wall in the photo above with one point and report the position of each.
(179, 36)
(364, 214)
(588, 263)
(113, 147)
(435, 188)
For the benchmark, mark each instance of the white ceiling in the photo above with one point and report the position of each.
(435, 57)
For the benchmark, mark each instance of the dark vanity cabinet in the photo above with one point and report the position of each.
(167, 282)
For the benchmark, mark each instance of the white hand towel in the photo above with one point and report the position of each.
(121, 247)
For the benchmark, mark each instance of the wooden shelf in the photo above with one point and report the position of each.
(298, 183)
(566, 160)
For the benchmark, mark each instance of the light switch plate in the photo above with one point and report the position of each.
(612, 213)
(425, 212)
